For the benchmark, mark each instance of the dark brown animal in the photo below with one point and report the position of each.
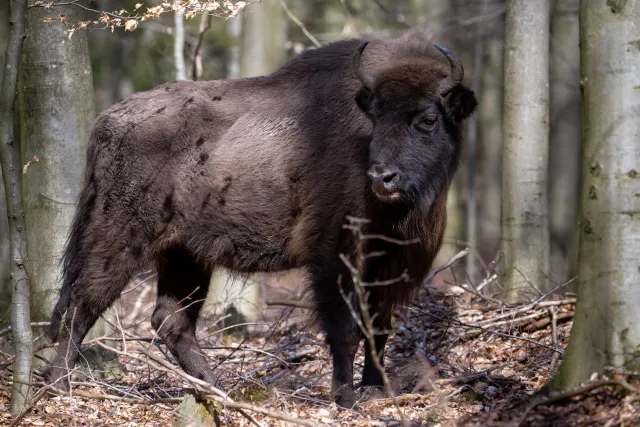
(258, 174)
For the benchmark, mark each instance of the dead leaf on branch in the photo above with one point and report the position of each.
(129, 19)
(34, 159)
(130, 25)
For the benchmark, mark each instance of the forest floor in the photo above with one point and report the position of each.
(457, 358)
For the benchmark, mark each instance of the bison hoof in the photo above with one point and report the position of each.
(345, 398)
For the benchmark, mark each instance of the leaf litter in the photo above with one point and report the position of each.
(453, 360)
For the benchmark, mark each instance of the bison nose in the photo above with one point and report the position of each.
(384, 179)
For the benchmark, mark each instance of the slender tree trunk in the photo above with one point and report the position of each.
(264, 36)
(564, 138)
(472, 158)
(5, 279)
(11, 175)
(57, 110)
(489, 118)
(234, 28)
(525, 232)
(606, 328)
(178, 47)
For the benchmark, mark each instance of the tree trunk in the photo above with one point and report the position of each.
(525, 232)
(57, 110)
(234, 28)
(264, 35)
(5, 283)
(178, 47)
(606, 328)
(564, 137)
(11, 175)
(490, 142)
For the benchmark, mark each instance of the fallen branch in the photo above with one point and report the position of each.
(543, 323)
(557, 396)
(466, 379)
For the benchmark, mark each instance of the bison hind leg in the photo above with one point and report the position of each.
(183, 284)
(98, 285)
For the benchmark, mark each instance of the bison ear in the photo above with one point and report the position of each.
(363, 99)
(461, 103)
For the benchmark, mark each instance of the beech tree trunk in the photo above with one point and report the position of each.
(490, 141)
(264, 35)
(11, 175)
(524, 222)
(606, 328)
(178, 47)
(5, 279)
(564, 137)
(57, 110)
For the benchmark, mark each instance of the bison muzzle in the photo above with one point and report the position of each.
(258, 175)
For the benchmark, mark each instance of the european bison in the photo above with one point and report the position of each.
(258, 175)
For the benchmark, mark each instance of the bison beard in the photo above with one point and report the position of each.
(258, 174)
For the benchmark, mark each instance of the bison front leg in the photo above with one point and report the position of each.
(381, 315)
(343, 335)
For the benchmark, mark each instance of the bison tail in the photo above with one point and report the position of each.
(73, 257)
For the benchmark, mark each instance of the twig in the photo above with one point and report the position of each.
(554, 336)
(452, 261)
(476, 332)
(364, 320)
(465, 379)
(557, 396)
(500, 334)
(529, 282)
(567, 283)
(196, 66)
(36, 324)
(299, 24)
(529, 307)
(28, 407)
(565, 315)
(290, 303)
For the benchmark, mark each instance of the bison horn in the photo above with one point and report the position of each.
(457, 71)
(365, 77)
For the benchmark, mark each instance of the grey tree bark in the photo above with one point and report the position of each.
(264, 35)
(57, 110)
(234, 28)
(178, 47)
(564, 137)
(11, 175)
(524, 221)
(606, 328)
(5, 284)
(490, 141)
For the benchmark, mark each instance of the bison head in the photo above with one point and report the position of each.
(416, 106)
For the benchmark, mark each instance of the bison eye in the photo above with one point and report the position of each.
(427, 122)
